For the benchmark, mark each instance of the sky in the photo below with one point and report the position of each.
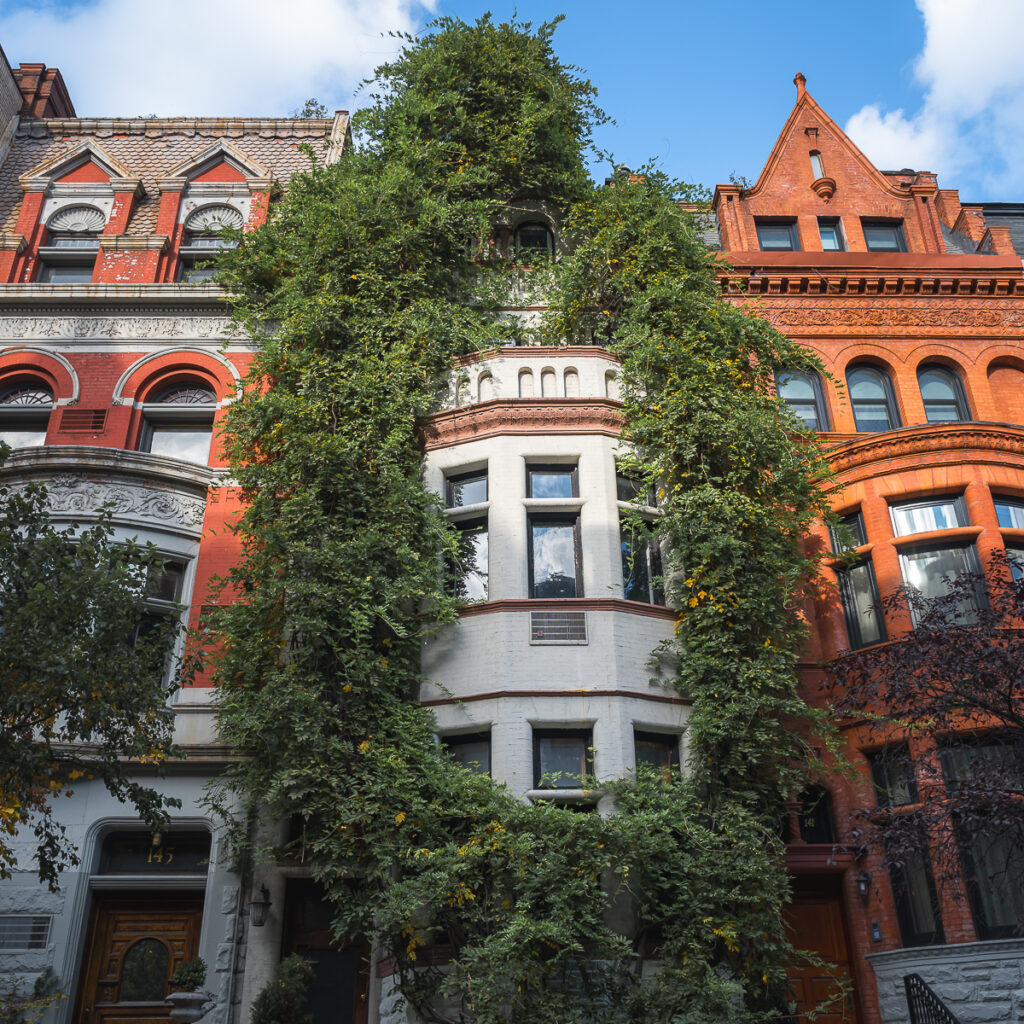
(702, 87)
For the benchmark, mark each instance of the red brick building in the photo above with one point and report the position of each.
(116, 363)
(914, 302)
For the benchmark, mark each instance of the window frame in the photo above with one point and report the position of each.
(650, 550)
(822, 420)
(778, 222)
(467, 476)
(888, 396)
(25, 417)
(933, 501)
(157, 415)
(671, 743)
(835, 224)
(570, 469)
(893, 223)
(454, 581)
(542, 518)
(854, 522)
(587, 762)
(963, 409)
(454, 740)
(973, 568)
(848, 600)
(519, 250)
(900, 884)
(878, 761)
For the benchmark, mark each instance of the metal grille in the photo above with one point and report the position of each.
(558, 627)
(925, 1006)
(24, 932)
(83, 419)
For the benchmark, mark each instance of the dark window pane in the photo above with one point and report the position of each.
(657, 750)
(777, 237)
(1016, 557)
(466, 489)
(554, 560)
(534, 237)
(469, 579)
(165, 583)
(816, 816)
(893, 775)
(864, 621)
(561, 759)
(941, 396)
(641, 566)
(917, 909)
(472, 752)
(551, 482)
(882, 237)
(54, 274)
(849, 533)
(145, 970)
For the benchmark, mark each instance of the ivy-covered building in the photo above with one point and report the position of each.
(117, 363)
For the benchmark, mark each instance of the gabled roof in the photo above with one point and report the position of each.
(88, 150)
(808, 114)
(220, 152)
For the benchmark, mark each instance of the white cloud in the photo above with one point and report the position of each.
(970, 127)
(209, 57)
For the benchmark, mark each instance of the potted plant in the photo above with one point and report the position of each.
(189, 1001)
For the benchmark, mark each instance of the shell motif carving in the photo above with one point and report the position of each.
(210, 219)
(85, 220)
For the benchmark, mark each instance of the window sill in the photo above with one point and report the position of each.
(565, 796)
(467, 511)
(553, 504)
(956, 535)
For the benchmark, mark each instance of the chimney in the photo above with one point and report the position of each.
(43, 93)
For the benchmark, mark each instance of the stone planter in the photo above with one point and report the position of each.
(190, 1006)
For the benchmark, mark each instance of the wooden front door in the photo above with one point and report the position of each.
(815, 922)
(134, 944)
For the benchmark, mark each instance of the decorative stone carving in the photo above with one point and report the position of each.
(836, 314)
(79, 219)
(69, 493)
(963, 438)
(212, 219)
(140, 328)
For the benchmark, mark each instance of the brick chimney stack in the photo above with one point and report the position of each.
(43, 91)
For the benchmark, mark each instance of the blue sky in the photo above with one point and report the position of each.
(702, 86)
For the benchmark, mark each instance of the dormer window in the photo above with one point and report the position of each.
(534, 237)
(25, 414)
(884, 235)
(72, 245)
(777, 235)
(203, 239)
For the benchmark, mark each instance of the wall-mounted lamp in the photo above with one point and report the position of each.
(864, 884)
(259, 906)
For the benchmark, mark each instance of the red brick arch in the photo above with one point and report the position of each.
(21, 364)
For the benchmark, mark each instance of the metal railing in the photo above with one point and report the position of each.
(925, 1006)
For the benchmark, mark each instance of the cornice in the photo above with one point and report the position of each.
(575, 604)
(959, 952)
(918, 442)
(472, 698)
(522, 416)
(538, 351)
(134, 243)
(79, 299)
(299, 127)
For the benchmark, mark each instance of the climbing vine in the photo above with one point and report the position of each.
(371, 277)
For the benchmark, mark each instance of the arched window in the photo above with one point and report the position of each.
(801, 390)
(204, 236)
(72, 244)
(534, 237)
(179, 422)
(526, 384)
(872, 398)
(943, 395)
(25, 414)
